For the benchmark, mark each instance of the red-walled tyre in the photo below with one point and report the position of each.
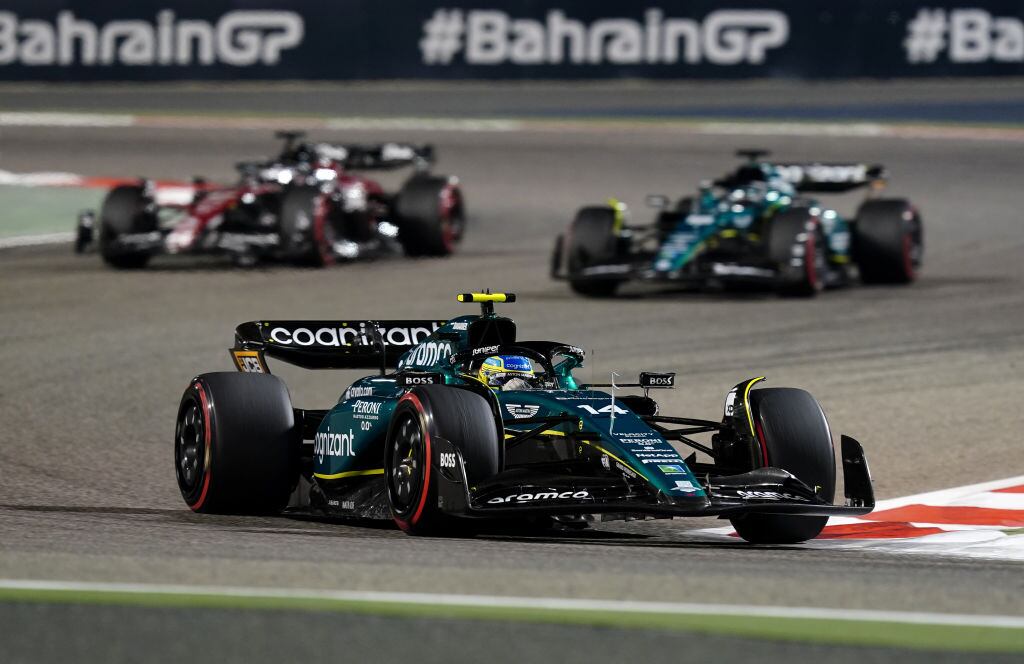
(236, 445)
(888, 241)
(307, 231)
(797, 247)
(424, 414)
(431, 215)
(794, 436)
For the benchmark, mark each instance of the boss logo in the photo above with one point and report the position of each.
(447, 459)
(648, 379)
(411, 379)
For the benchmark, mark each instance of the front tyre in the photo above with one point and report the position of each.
(126, 210)
(793, 435)
(591, 241)
(235, 444)
(796, 246)
(307, 231)
(423, 415)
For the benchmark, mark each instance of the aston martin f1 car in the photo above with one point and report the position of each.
(756, 226)
(464, 426)
(308, 205)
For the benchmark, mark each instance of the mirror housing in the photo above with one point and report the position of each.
(657, 201)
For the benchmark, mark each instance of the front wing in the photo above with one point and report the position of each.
(700, 271)
(763, 491)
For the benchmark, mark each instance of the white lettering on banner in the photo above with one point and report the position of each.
(967, 36)
(238, 38)
(491, 37)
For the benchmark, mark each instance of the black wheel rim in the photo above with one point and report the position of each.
(190, 448)
(406, 469)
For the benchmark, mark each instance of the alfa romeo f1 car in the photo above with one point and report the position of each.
(755, 226)
(466, 425)
(308, 205)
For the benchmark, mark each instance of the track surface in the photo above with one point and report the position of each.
(927, 377)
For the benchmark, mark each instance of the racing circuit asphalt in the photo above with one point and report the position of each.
(926, 377)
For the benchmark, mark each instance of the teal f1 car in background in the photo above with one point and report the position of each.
(755, 226)
(466, 425)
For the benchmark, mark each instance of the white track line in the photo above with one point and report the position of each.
(427, 124)
(37, 119)
(42, 179)
(948, 131)
(755, 128)
(35, 240)
(548, 603)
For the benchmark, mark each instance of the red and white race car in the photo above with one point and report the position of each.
(309, 205)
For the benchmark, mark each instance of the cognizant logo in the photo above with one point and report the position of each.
(238, 38)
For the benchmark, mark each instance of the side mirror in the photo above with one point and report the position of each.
(649, 379)
(657, 201)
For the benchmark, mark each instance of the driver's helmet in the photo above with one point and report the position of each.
(499, 371)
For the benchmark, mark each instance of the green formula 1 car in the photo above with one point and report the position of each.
(464, 424)
(756, 226)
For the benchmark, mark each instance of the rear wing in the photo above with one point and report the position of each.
(829, 177)
(384, 156)
(328, 344)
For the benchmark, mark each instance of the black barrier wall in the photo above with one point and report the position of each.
(573, 39)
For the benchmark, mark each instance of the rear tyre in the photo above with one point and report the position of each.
(307, 232)
(126, 210)
(236, 445)
(431, 215)
(888, 241)
(422, 416)
(794, 436)
(591, 241)
(796, 245)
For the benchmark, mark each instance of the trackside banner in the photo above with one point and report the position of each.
(64, 40)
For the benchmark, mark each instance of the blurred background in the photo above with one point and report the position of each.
(538, 108)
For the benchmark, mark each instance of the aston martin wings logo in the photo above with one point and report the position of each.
(519, 411)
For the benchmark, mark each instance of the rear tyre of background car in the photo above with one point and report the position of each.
(126, 210)
(793, 435)
(796, 245)
(888, 241)
(236, 445)
(431, 215)
(307, 231)
(423, 415)
(592, 240)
